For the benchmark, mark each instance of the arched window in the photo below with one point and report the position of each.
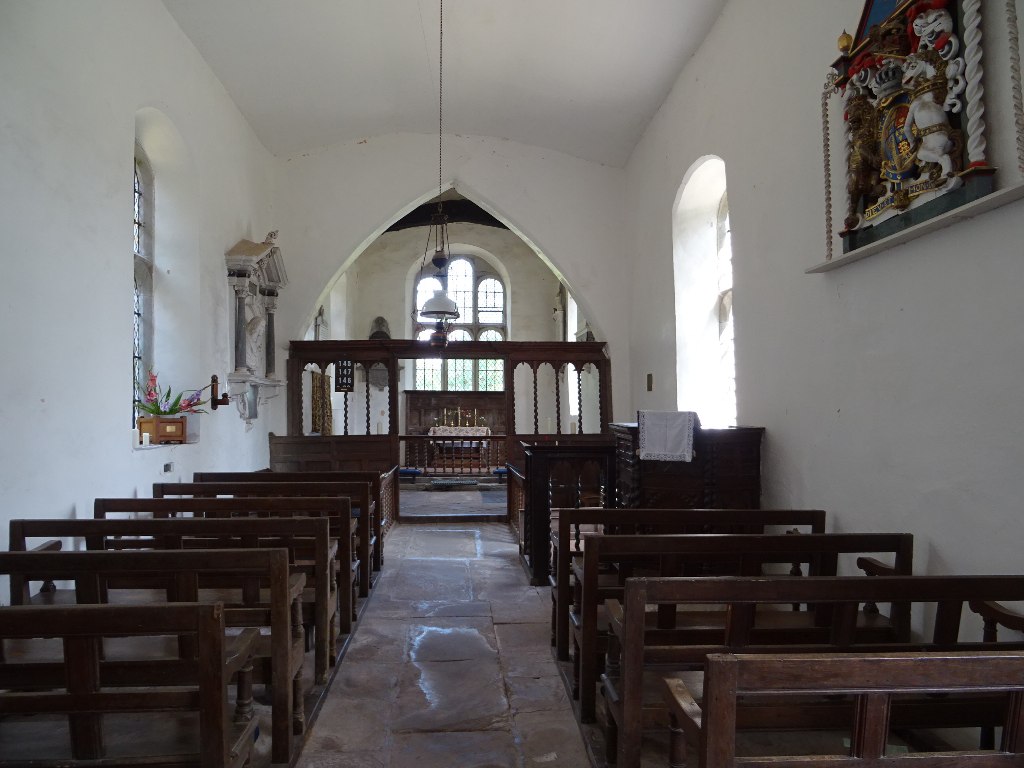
(702, 273)
(142, 326)
(723, 305)
(480, 297)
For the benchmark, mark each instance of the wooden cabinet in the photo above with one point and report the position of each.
(725, 472)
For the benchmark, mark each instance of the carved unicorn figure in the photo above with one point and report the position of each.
(926, 123)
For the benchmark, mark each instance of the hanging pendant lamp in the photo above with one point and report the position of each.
(440, 307)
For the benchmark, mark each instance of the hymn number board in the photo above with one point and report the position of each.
(344, 376)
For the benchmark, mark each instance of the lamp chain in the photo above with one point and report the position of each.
(440, 96)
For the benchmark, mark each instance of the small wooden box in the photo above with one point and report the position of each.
(162, 429)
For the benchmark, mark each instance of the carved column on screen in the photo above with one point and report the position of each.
(579, 394)
(536, 411)
(510, 405)
(241, 286)
(558, 397)
(271, 306)
(366, 370)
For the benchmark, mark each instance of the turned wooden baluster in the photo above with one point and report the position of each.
(558, 399)
(366, 368)
(579, 395)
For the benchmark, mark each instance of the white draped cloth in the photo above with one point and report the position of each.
(667, 435)
(446, 431)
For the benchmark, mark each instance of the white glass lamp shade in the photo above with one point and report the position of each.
(440, 307)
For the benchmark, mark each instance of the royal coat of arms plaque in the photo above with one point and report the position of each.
(913, 115)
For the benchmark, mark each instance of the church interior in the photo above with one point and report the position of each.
(718, 219)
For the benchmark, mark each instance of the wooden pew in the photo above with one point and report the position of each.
(311, 551)
(89, 684)
(567, 542)
(737, 554)
(363, 507)
(869, 694)
(746, 599)
(383, 489)
(337, 510)
(132, 578)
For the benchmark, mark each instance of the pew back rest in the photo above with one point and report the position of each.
(642, 648)
(85, 680)
(842, 595)
(748, 554)
(182, 573)
(383, 485)
(874, 680)
(359, 492)
(308, 541)
(659, 521)
(305, 539)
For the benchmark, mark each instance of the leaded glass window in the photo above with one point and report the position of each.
(490, 373)
(490, 301)
(142, 262)
(480, 297)
(428, 372)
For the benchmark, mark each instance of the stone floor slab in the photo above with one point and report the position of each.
(451, 696)
(536, 694)
(523, 637)
(440, 580)
(550, 739)
(489, 749)
(445, 544)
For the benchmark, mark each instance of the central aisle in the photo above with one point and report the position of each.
(450, 665)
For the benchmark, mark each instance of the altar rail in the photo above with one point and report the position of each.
(448, 455)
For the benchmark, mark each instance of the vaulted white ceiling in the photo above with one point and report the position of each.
(582, 77)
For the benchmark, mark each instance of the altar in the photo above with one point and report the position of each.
(451, 444)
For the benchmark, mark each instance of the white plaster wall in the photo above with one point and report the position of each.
(74, 76)
(335, 202)
(891, 388)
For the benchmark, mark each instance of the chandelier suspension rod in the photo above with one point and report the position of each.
(440, 99)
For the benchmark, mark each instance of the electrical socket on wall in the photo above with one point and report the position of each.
(650, 382)
(168, 467)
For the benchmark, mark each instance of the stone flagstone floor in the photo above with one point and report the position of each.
(451, 663)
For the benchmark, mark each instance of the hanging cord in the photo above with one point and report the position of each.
(440, 95)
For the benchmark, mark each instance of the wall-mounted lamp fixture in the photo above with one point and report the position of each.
(217, 399)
